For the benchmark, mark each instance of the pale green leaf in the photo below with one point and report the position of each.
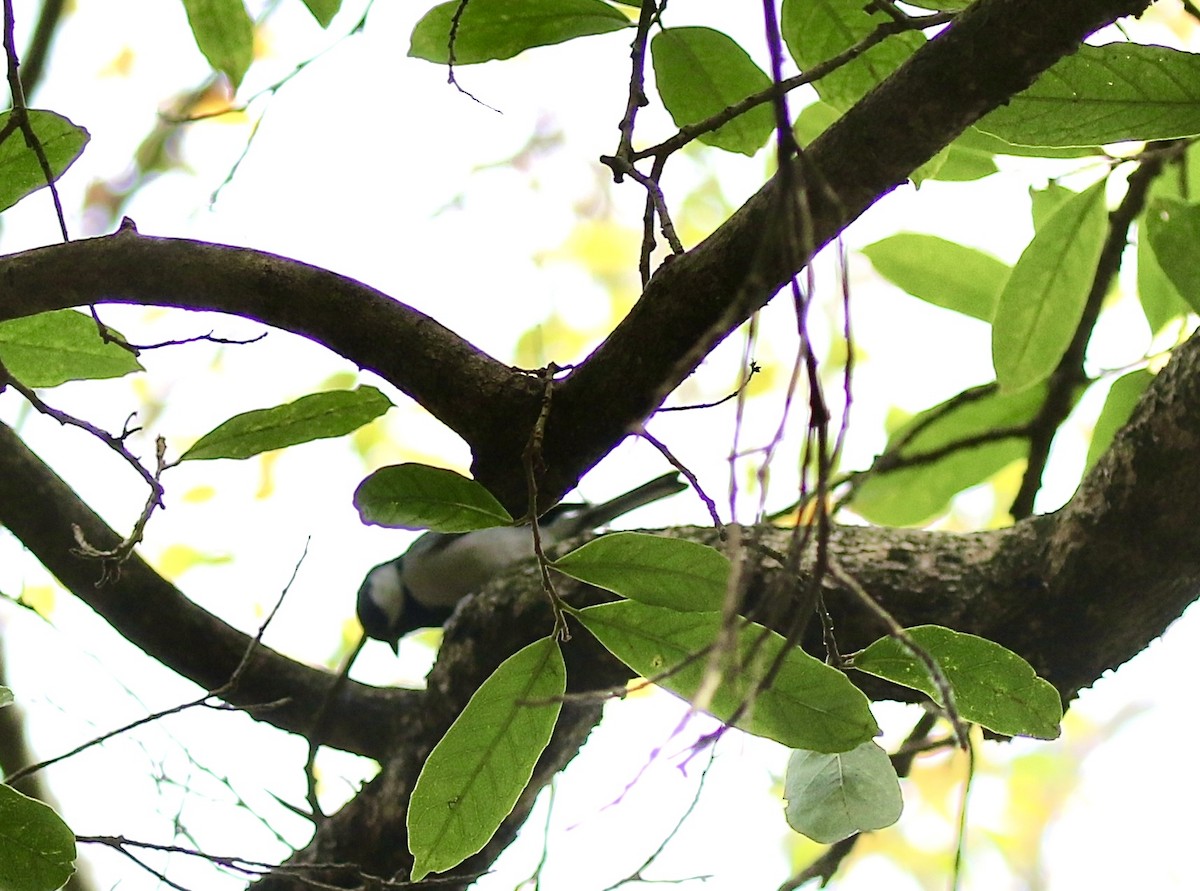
(652, 569)
(1173, 230)
(323, 10)
(913, 494)
(21, 170)
(1157, 294)
(416, 496)
(1045, 201)
(941, 272)
(700, 72)
(1098, 95)
(807, 705)
(1043, 300)
(52, 348)
(992, 685)
(316, 416)
(1118, 406)
(499, 29)
(474, 776)
(224, 33)
(832, 796)
(37, 849)
(817, 30)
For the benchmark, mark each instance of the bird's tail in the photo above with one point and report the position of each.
(592, 516)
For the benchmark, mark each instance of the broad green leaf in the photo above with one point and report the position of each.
(1042, 302)
(20, 168)
(1160, 300)
(1098, 95)
(1173, 229)
(323, 10)
(1122, 397)
(224, 33)
(817, 30)
(316, 416)
(652, 569)
(940, 272)
(37, 849)
(993, 686)
(977, 140)
(813, 120)
(831, 797)
(965, 164)
(700, 72)
(807, 705)
(499, 29)
(911, 495)
(1045, 201)
(416, 496)
(473, 777)
(52, 348)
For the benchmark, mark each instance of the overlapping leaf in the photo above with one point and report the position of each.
(473, 777)
(499, 29)
(224, 33)
(807, 704)
(652, 569)
(832, 796)
(37, 849)
(1104, 94)
(937, 471)
(21, 170)
(941, 272)
(993, 686)
(1043, 300)
(1118, 406)
(52, 348)
(316, 416)
(700, 72)
(416, 496)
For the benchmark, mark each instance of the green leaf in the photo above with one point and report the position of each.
(473, 777)
(224, 33)
(1160, 300)
(808, 705)
(6, 696)
(1045, 201)
(416, 496)
(1122, 397)
(1173, 229)
(652, 569)
(37, 849)
(965, 164)
(20, 169)
(817, 30)
(316, 416)
(913, 494)
(941, 272)
(700, 72)
(323, 10)
(1042, 303)
(831, 797)
(977, 140)
(813, 120)
(993, 686)
(499, 29)
(1099, 95)
(52, 348)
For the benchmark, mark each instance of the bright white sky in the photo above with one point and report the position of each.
(369, 164)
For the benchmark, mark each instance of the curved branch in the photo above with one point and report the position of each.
(39, 508)
(473, 394)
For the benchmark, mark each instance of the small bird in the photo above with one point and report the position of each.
(421, 587)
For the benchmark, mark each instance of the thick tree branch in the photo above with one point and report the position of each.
(39, 509)
(993, 50)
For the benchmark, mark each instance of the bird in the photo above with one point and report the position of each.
(421, 587)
